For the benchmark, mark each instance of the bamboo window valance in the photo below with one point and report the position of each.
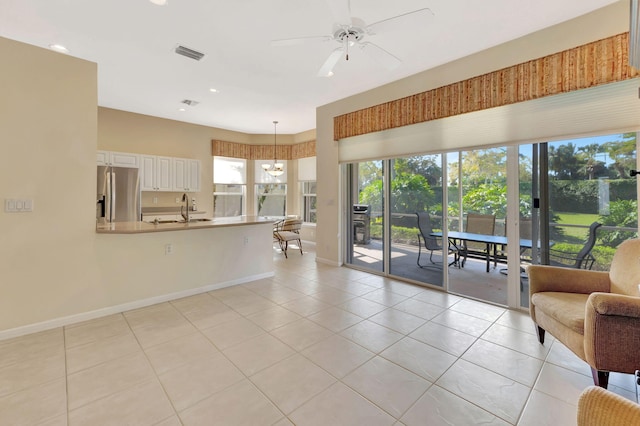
(263, 152)
(600, 62)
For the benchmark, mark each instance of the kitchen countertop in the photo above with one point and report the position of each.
(146, 227)
(167, 211)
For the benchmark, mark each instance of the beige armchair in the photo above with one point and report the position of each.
(599, 407)
(595, 314)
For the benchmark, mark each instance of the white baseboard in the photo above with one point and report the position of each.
(328, 261)
(85, 316)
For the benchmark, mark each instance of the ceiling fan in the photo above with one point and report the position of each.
(350, 32)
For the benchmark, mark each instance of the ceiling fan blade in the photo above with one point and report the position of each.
(400, 21)
(300, 40)
(341, 11)
(380, 55)
(327, 68)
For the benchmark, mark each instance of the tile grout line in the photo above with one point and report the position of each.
(66, 375)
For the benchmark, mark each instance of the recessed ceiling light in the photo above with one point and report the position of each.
(212, 90)
(58, 48)
(159, 2)
(182, 109)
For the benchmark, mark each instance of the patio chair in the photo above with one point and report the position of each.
(431, 242)
(581, 260)
(288, 230)
(477, 224)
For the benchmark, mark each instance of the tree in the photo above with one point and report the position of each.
(623, 154)
(588, 156)
(622, 213)
(481, 166)
(563, 161)
(423, 165)
(369, 171)
(410, 193)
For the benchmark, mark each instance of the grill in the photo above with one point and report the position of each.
(361, 223)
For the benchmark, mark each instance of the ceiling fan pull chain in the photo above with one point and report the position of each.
(346, 46)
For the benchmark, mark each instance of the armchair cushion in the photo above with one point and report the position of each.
(566, 308)
(287, 235)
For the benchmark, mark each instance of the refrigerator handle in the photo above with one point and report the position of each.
(102, 206)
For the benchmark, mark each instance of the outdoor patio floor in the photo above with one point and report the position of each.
(471, 281)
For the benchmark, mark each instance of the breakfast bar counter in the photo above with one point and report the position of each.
(148, 227)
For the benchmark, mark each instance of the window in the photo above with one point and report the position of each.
(307, 179)
(309, 201)
(228, 200)
(271, 191)
(229, 186)
(271, 199)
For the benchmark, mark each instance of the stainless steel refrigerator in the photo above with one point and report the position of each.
(118, 194)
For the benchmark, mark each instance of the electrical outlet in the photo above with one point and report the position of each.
(168, 249)
(177, 200)
(155, 200)
(246, 240)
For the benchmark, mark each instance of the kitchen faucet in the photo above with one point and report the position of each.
(185, 198)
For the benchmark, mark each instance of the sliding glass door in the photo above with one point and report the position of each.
(415, 209)
(477, 194)
(506, 208)
(366, 222)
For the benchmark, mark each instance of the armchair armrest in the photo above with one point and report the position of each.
(612, 332)
(566, 280)
(615, 304)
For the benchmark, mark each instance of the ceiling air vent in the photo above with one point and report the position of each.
(190, 102)
(189, 53)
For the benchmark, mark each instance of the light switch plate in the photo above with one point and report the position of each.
(13, 205)
(9, 205)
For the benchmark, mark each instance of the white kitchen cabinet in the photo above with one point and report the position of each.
(118, 159)
(156, 173)
(186, 175)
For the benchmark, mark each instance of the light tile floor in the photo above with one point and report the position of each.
(315, 345)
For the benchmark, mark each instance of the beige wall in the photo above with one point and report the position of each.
(48, 117)
(142, 134)
(55, 268)
(600, 24)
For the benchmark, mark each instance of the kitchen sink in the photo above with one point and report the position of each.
(159, 222)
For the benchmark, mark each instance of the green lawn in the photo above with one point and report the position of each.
(576, 219)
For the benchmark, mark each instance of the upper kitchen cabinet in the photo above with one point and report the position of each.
(118, 159)
(156, 173)
(186, 175)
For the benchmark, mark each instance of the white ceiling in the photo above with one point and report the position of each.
(132, 41)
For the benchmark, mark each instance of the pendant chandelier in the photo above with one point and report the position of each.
(275, 169)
